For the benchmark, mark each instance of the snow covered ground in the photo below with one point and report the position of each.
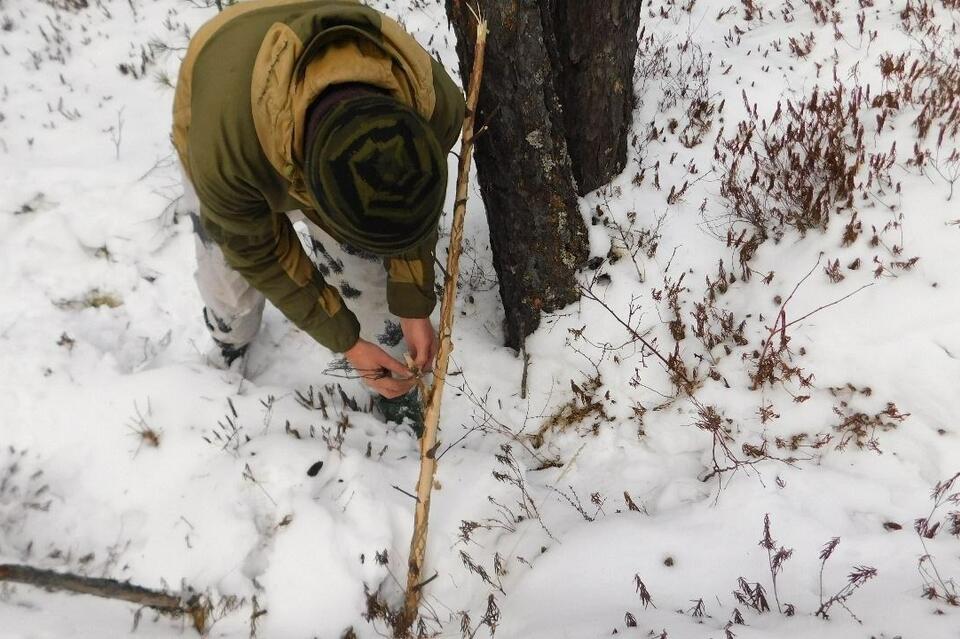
(620, 504)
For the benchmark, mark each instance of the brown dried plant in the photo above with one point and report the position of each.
(946, 494)
(857, 577)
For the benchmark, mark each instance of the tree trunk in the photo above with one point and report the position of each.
(593, 46)
(537, 234)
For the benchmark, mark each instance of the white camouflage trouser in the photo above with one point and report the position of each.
(232, 307)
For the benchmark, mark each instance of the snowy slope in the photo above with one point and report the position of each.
(607, 483)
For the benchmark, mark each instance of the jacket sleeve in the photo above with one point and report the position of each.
(410, 281)
(447, 118)
(410, 275)
(265, 249)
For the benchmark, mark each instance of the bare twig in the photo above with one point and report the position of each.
(680, 374)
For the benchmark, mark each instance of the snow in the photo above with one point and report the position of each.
(101, 336)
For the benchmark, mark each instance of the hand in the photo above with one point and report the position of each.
(375, 367)
(421, 340)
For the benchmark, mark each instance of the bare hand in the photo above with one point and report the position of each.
(421, 341)
(375, 366)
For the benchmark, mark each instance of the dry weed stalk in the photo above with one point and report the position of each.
(724, 459)
(799, 168)
(935, 586)
(926, 79)
(857, 577)
(684, 380)
(642, 592)
(861, 428)
(752, 595)
(776, 558)
(138, 424)
(586, 403)
(773, 362)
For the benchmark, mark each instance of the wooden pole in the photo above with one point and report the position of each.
(431, 418)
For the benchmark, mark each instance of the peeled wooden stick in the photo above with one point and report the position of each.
(431, 417)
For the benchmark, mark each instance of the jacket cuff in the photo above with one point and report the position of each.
(409, 301)
(340, 332)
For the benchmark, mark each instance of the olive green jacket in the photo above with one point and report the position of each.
(244, 87)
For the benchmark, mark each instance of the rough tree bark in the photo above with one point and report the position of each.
(558, 97)
(537, 234)
(593, 49)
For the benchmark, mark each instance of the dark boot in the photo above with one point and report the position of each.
(223, 355)
(405, 407)
(231, 352)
